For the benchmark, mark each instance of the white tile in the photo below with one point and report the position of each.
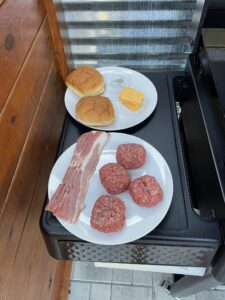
(100, 291)
(220, 287)
(126, 292)
(210, 295)
(85, 271)
(142, 278)
(122, 276)
(79, 290)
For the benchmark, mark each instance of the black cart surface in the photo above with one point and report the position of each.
(183, 238)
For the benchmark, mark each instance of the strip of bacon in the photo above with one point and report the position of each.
(68, 199)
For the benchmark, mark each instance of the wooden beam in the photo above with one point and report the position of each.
(56, 38)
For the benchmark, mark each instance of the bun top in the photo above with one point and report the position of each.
(85, 81)
(95, 110)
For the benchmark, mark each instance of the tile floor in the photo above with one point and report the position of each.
(91, 283)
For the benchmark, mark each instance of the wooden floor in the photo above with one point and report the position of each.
(91, 283)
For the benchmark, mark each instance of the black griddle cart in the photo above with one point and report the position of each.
(188, 128)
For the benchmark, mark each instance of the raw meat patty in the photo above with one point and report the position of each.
(131, 156)
(114, 178)
(145, 191)
(108, 214)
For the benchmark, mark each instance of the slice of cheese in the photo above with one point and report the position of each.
(131, 98)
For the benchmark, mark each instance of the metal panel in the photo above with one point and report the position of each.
(138, 254)
(146, 34)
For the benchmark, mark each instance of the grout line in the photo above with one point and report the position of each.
(153, 288)
(112, 270)
(111, 283)
(72, 271)
(152, 279)
(89, 297)
(132, 278)
(110, 292)
(111, 276)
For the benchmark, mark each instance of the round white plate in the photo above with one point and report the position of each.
(115, 79)
(139, 220)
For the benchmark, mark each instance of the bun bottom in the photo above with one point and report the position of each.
(99, 91)
(96, 124)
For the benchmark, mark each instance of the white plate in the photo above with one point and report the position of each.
(139, 220)
(115, 79)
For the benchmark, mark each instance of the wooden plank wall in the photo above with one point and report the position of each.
(31, 119)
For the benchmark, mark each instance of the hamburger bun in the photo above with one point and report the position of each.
(85, 81)
(95, 111)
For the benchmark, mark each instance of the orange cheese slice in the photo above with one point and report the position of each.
(131, 98)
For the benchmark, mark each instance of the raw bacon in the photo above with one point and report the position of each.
(68, 200)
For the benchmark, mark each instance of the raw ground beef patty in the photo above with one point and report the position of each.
(114, 178)
(108, 214)
(131, 156)
(145, 191)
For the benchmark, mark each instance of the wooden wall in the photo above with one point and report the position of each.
(31, 118)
